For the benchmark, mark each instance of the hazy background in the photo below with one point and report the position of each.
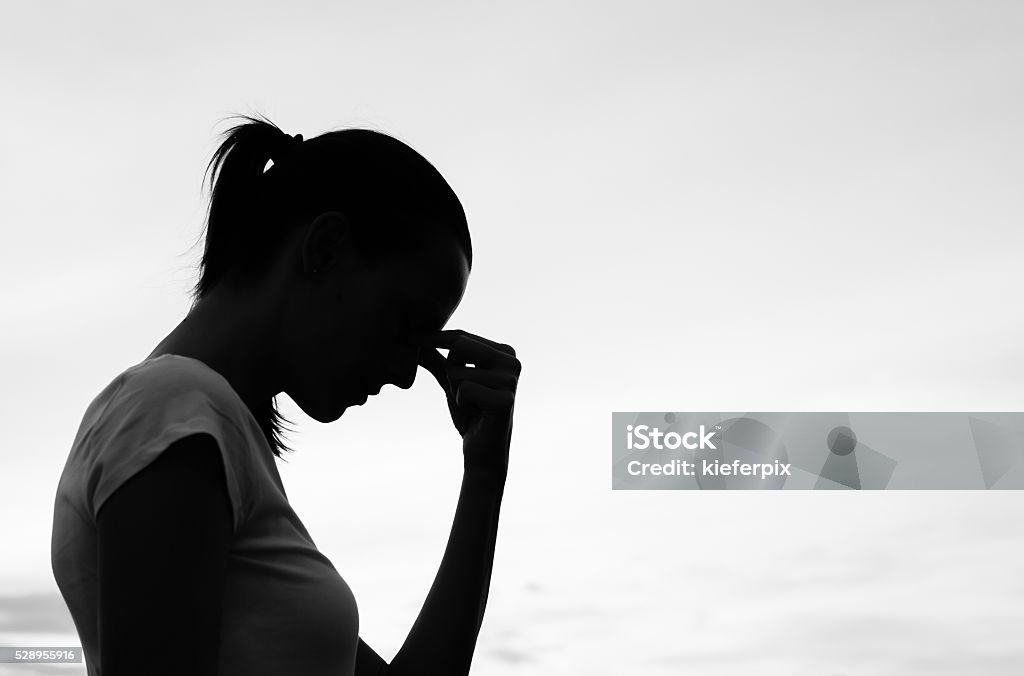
(706, 206)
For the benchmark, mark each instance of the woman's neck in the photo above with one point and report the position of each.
(233, 334)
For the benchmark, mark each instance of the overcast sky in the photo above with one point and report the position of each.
(687, 206)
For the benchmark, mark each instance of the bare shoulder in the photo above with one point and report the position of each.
(186, 481)
(163, 540)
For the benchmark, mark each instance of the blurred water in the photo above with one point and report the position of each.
(726, 583)
(894, 583)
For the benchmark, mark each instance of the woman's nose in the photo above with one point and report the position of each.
(404, 367)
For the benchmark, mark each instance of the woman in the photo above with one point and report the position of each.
(330, 268)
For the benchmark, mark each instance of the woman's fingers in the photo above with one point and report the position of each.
(445, 338)
(485, 398)
(449, 377)
(489, 385)
(481, 397)
(467, 348)
(495, 379)
(435, 362)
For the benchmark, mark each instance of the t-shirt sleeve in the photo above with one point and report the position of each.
(144, 419)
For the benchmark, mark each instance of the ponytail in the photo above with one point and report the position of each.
(241, 202)
(236, 225)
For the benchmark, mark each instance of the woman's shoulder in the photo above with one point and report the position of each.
(143, 412)
(174, 373)
(172, 377)
(168, 388)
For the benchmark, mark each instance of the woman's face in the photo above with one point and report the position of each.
(352, 330)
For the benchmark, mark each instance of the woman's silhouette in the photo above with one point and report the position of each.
(330, 269)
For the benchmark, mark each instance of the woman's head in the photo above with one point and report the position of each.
(366, 240)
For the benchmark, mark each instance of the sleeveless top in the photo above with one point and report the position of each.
(286, 608)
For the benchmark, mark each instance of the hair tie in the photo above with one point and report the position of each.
(286, 147)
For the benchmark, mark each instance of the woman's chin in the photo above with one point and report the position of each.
(328, 412)
(325, 411)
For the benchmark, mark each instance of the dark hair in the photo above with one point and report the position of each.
(394, 198)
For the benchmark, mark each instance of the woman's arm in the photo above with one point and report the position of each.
(443, 638)
(479, 378)
(163, 540)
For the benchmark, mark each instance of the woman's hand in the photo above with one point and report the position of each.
(481, 398)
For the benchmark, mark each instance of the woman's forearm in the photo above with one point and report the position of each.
(443, 638)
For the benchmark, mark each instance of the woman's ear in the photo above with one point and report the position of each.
(324, 244)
